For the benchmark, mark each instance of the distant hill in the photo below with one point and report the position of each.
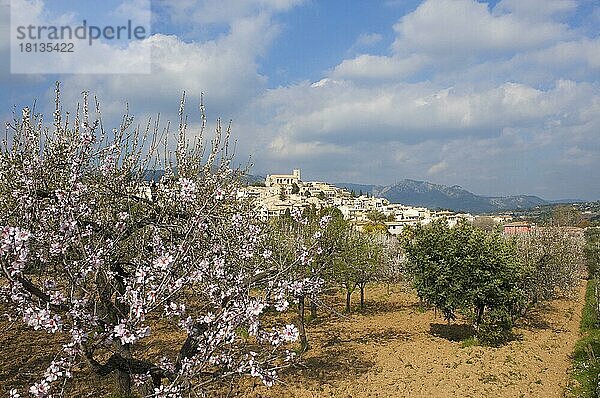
(423, 193)
(436, 196)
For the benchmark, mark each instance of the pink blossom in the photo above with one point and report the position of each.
(40, 390)
(267, 253)
(255, 308)
(52, 373)
(54, 324)
(324, 221)
(164, 261)
(290, 333)
(188, 189)
(122, 332)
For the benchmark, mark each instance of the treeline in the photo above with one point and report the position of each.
(488, 278)
(348, 259)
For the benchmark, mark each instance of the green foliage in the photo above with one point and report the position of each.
(470, 342)
(496, 327)
(463, 269)
(589, 314)
(375, 228)
(376, 216)
(350, 258)
(586, 366)
(592, 251)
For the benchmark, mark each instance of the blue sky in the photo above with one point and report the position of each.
(500, 97)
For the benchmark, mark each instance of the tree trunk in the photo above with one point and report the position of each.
(348, 294)
(480, 310)
(313, 310)
(122, 379)
(362, 296)
(122, 384)
(301, 321)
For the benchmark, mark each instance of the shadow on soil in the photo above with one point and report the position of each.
(452, 332)
(340, 363)
(334, 339)
(534, 320)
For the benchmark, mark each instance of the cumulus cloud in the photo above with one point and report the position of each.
(501, 100)
(484, 97)
(418, 112)
(438, 167)
(458, 28)
(373, 67)
(224, 68)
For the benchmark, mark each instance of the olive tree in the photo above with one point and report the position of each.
(355, 260)
(463, 269)
(92, 251)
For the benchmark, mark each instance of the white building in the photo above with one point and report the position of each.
(283, 179)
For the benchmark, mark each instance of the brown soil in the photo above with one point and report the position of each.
(391, 349)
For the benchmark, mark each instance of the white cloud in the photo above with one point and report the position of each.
(109, 56)
(417, 112)
(225, 69)
(438, 167)
(379, 67)
(466, 28)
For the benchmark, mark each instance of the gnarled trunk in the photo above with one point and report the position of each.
(122, 378)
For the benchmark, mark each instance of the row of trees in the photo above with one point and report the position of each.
(348, 259)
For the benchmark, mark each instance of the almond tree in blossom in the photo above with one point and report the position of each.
(91, 250)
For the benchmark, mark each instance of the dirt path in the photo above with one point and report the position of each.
(394, 350)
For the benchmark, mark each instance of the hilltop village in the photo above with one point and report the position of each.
(284, 192)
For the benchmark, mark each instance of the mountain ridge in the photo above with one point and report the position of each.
(426, 194)
(437, 196)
